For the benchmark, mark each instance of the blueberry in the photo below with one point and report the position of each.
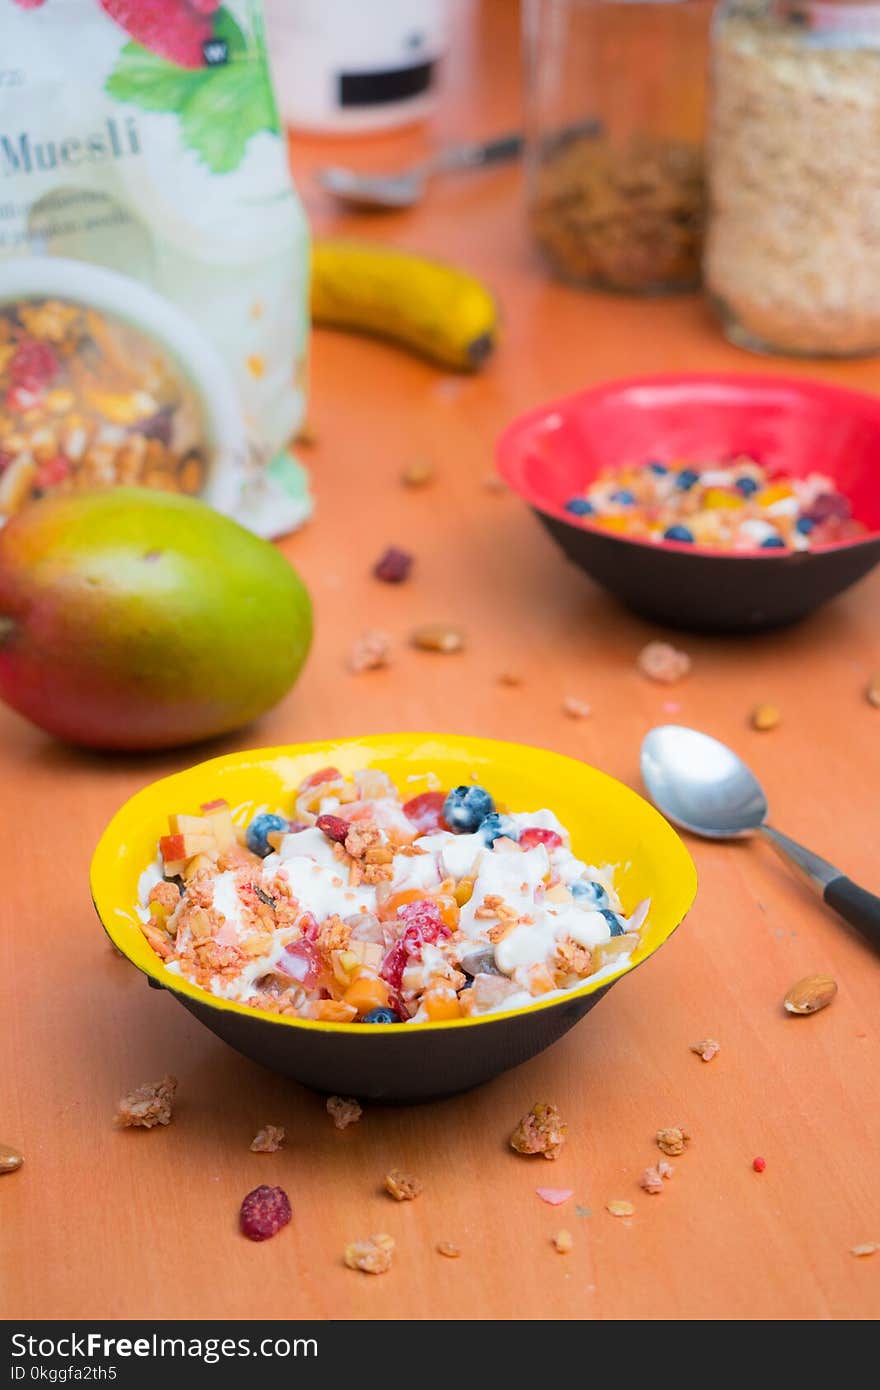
(495, 825)
(613, 921)
(383, 1015)
(685, 480)
(746, 486)
(465, 809)
(804, 525)
(657, 467)
(258, 830)
(579, 506)
(624, 497)
(679, 533)
(773, 543)
(588, 891)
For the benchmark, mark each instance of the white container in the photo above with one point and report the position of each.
(347, 66)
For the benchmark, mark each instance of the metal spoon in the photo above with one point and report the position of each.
(403, 189)
(703, 786)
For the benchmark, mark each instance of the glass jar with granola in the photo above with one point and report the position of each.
(793, 245)
(616, 108)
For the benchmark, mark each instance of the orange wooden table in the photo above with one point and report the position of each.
(143, 1224)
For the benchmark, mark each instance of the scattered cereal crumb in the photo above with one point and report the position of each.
(759, 1164)
(147, 1105)
(583, 1211)
(673, 1140)
(493, 483)
(438, 637)
(870, 1247)
(541, 1131)
(264, 1212)
(10, 1159)
(575, 708)
(445, 1247)
(511, 678)
(306, 435)
(563, 1240)
(764, 717)
(256, 365)
(618, 1208)
(373, 1256)
(268, 1140)
(660, 661)
(344, 1111)
(652, 1178)
(393, 566)
(371, 650)
(418, 473)
(707, 1048)
(555, 1196)
(811, 994)
(403, 1187)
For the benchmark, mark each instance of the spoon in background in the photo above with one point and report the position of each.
(404, 189)
(701, 785)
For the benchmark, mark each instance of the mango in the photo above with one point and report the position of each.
(135, 619)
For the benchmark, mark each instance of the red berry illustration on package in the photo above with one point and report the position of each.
(175, 29)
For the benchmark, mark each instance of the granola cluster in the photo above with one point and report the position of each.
(358, 906)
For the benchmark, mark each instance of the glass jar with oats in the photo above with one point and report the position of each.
(615, 96)
(793, 245)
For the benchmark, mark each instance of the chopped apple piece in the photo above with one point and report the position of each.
(174, 847)
(190, 825)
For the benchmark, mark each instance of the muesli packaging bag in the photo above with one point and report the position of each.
(153, 258)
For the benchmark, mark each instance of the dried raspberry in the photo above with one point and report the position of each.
(394, 964)
(263, 1212)
(394, 566)
(426, 812)
(18, 399)
(53, 471)
(829, 506)
(759, 1164)
(334, 827)
(33, 365)
(534, 835)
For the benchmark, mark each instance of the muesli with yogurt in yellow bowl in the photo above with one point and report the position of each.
(367, 908)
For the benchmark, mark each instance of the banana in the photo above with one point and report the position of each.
(434, 309)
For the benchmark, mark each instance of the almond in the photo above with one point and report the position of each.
(809, 995)
(10, 1159)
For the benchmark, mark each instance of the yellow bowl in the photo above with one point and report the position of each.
(609, 824)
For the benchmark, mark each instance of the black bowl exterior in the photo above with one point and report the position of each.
(397, 1062)
(713, 593)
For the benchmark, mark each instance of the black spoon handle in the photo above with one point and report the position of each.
(854, 904)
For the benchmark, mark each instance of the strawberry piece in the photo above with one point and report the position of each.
(324, 774)
(301, 961)
(534, 835)
(426, 812)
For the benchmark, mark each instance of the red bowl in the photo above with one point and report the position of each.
(553, 453)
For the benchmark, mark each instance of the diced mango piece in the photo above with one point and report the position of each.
(720, 499)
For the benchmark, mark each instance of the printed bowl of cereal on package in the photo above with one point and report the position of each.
(103, 382)
(715, 503)
(399, 917)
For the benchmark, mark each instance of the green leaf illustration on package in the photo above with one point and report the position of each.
(220, 107)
